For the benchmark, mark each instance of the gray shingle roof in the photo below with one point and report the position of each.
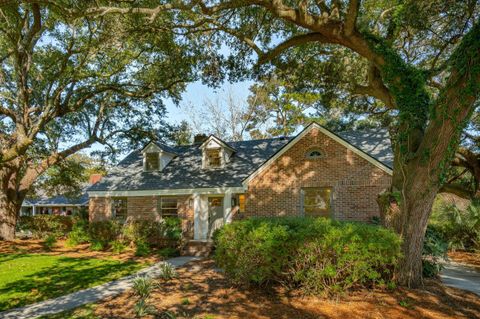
(185, 170)
(58, 200)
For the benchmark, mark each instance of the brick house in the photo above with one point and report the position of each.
(316, 173)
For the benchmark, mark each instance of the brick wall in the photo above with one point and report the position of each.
(355, 182)
(143, 207)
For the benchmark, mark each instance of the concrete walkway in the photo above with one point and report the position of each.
(89, 295)
(461, 276)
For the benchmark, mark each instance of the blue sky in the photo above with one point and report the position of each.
(196, 93)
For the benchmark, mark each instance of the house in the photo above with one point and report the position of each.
(316, 173)
(58, 205)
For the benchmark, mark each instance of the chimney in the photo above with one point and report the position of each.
(95, 178)
(199, 138)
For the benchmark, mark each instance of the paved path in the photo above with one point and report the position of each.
(89, 295)
(460, 276)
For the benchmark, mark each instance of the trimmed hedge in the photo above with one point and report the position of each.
(316, 255)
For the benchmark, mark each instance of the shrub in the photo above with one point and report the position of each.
(316, 255)
(167, 271)
(49, 242)
(168, 252)
(143, 287)
(460, 228)
(42, 226)
(142, 248)
(118, 246)
(104, 232)
(434, 250)
(79, 233)
(97, 246)
(164, 233)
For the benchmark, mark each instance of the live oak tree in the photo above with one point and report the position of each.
(70, 78)
(420, 60)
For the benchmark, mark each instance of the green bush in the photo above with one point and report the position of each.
(42, 226)
(168, 252)
(164, 233)
(79, 233)
(434, 250)
(118, 246)
(49, 242)
(97, 246)
(460, 228)
(316, 255)
(104, 232)
(142, 248)
(143, 287)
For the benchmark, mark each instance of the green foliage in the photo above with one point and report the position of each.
(45, 225)
(142, 308)
(143, 286)
(168, 252)
(316, 255)
(118, 246)
(142, 248)
(79, 233)
(167, 271)
(164, 233)
(104, 232)
(49, 242)
(96, 245)
(434, 250)
(460, 228)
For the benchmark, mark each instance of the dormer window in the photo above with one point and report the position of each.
(152, 162)
(214, 158)
(156, 156)
(215, 152)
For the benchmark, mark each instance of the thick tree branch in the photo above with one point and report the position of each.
(351, 18)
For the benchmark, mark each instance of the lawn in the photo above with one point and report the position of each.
(28, 278)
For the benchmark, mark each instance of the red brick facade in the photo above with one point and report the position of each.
(277, 190)
(355, 182)
(143, 207)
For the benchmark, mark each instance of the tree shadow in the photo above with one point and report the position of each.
(64, 276)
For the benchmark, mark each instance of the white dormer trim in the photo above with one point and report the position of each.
(164, 157)
(213, 142)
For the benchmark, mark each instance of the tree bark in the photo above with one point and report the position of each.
(10, 203)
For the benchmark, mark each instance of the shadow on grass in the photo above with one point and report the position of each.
(63, 276)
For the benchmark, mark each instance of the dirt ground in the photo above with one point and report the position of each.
(467, 258)
(34, 246)
(201, 291)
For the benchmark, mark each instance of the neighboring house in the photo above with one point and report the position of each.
(316, 173)
(58, 205)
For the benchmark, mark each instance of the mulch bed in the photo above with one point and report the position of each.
(34, 246)
(201, 291)
(467, 258)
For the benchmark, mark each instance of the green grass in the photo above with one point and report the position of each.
(84, 312)
(29, 278)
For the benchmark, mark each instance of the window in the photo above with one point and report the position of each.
(168, 206)
(152, 162)
(241, 203)
(119, 208)
(314, 154)
(316, 201)
(213, 157)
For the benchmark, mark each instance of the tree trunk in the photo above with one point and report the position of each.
(10, 202)
(9, 211)
(407, 211)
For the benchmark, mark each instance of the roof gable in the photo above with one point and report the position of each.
(212, 141)
(328, 133)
